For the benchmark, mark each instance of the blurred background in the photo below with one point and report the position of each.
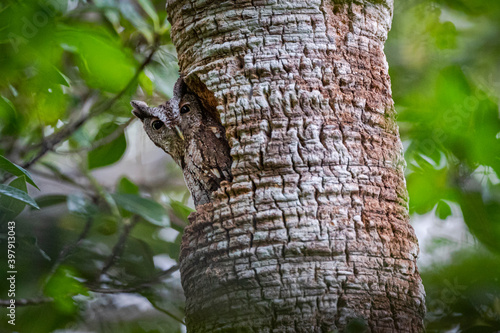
(100, 216)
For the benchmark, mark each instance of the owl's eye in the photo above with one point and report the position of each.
(157, 124)
(185, 109)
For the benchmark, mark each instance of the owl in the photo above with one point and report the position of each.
(194, 138)
(162, 128)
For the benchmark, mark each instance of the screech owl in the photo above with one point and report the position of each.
(162, 128)
(194, 138)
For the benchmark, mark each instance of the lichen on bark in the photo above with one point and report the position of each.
(313, 231)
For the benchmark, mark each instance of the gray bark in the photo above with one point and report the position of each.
(313, 231)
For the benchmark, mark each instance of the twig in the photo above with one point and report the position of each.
(53, 140)
(68, 249)
(27, 301)
(133, 289)
(104, 141)
(141, 286)
(59, 179)
(166, 273)
(168, 313)
(118, 248)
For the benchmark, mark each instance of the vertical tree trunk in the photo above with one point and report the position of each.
(313, 231)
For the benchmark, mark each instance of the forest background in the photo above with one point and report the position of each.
(99, 216)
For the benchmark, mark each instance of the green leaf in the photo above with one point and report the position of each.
(80, 138)
(164, 71)
(80, 205)
(109, 153)
(61, 78)
(8, 104)
(16, 170)
(151, 211)
(173, 249)
(103, 62)
(10, 207)
(9, 117)
(106, 224)
(180, 210)
(133, 16)
(445, 35)
(146, 84)
(125, 186)
(62, 286)
(17, 194)
(51, 104)
(482, 216)
(426, 185)
(148, 232)
(51, 200)
(137, 260)
(443, 210)
(150, 10)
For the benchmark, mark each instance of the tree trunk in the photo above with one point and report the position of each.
(313, 233)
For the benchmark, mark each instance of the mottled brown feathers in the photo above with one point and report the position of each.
(194, 138)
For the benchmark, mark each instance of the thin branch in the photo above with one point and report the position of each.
(165, 273)
(137, 288)
(118, 248)
(55, 139)
(104, 141)
(133, 289)
(68, 249)
(117, 291)
(71, 247)
(101, 192)
(168, 313)
(65, 179)
(27, 301)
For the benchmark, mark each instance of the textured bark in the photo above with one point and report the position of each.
(313, 230)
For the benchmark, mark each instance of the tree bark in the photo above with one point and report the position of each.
(313, 232)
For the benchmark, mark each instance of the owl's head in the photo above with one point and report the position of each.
(162, 124)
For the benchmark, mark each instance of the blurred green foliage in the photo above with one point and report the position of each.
(69, 70)
(444, 65)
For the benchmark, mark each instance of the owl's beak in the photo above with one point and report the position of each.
(179, 132)
(141, 109)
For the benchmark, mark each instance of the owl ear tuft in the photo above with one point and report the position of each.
(180, 88)
(141, 109)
